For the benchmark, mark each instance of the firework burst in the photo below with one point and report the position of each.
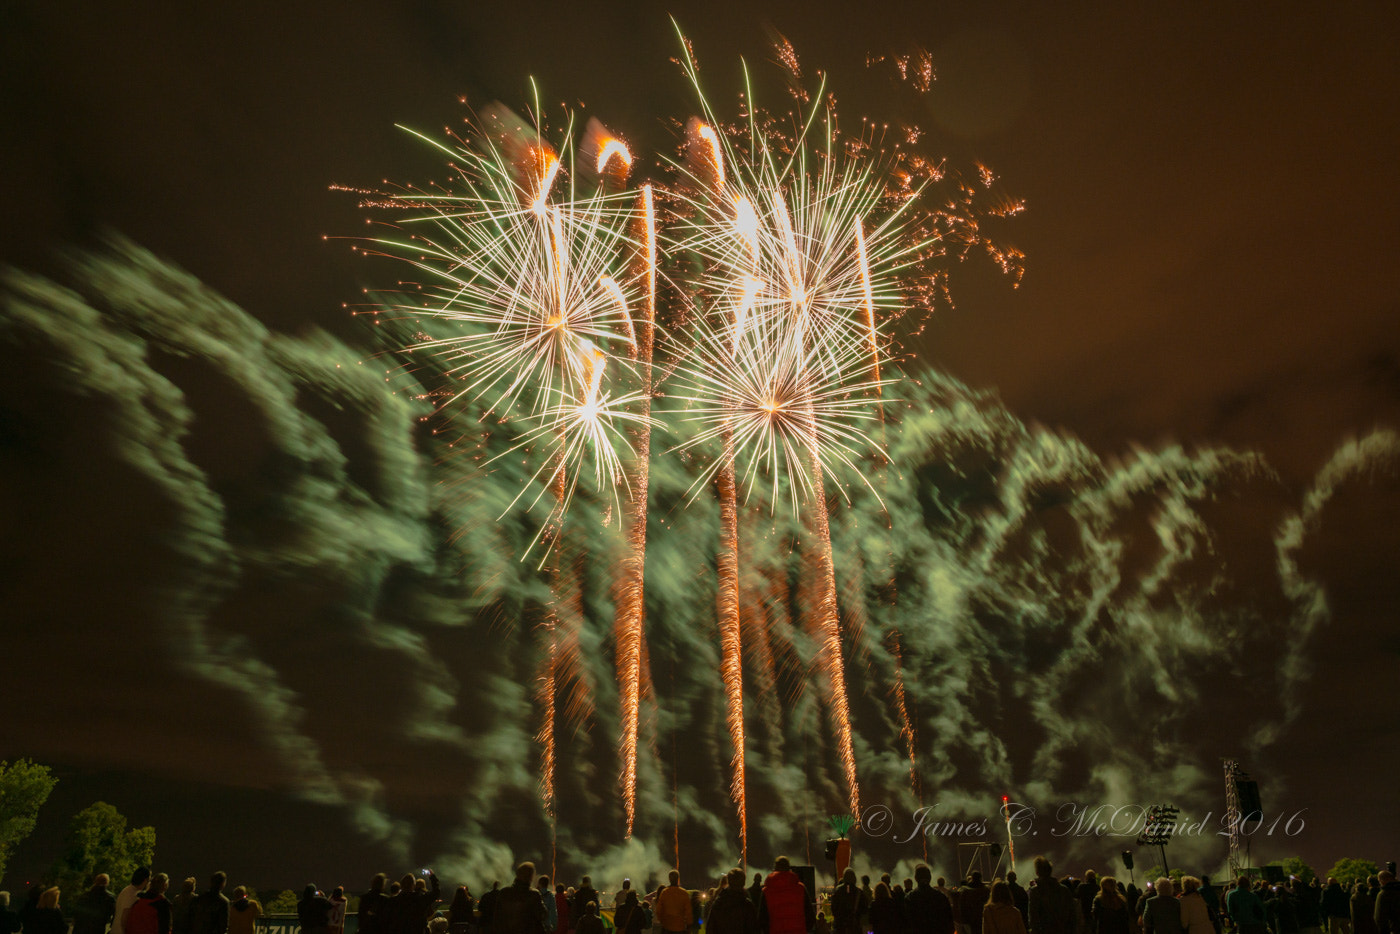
(800, 247)
(527, 298)
(538, 300)
(525, 275)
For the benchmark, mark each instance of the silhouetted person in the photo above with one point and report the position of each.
(459, 913)
(9, 918)
(486, 907)
(1195, 913)
(519, 909)
(339, 906)
(1161, 914)
(371, 904)
(551, 905)
(94, 910)
(1086, 892)
(1109, 912)
(243, 913)
(47, 917)
(630, 917)
(1363, 909)
(897, 896)
(1019, 898)
(1336, 908)
(1281, 912)
(731, 911)
(1307, 899)
(210, 912)
(1388, 904)
(423, 899)
(589, 922)
(584, 894)
(313, 910)
(1245, 908)
(1000, 915)
(927, 908)
(848, 906)
(181, 906)
(884, 913)
(1050, 907)
(393, 907)
(972, 898)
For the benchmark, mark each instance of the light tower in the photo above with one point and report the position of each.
(1157, 831)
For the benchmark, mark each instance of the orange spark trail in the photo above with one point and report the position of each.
(545, 736)
(727, 560)
(549, 683)
(629, 596)
(906, 725)
(549, 679)
(828, 626)
(906, 728)
(731, 659)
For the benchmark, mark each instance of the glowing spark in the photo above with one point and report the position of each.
(591, 362)
(614, 147)
(796, 289)
(752, 288)
(649, 215)
(869, 301)
(548, 170)
(746, 224)
(560, 253)
(614, 290)
(708, 134)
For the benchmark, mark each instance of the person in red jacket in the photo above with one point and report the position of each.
(151, 913)
(786, 907)
(561, 908)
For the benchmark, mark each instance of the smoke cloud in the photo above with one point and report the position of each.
(223, 524)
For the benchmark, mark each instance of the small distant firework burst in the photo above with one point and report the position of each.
(539, 301)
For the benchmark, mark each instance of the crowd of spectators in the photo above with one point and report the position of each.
(778, 903)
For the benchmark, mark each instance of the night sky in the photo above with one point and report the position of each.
(1210, 226)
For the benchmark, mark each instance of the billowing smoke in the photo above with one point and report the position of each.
(222, 524)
